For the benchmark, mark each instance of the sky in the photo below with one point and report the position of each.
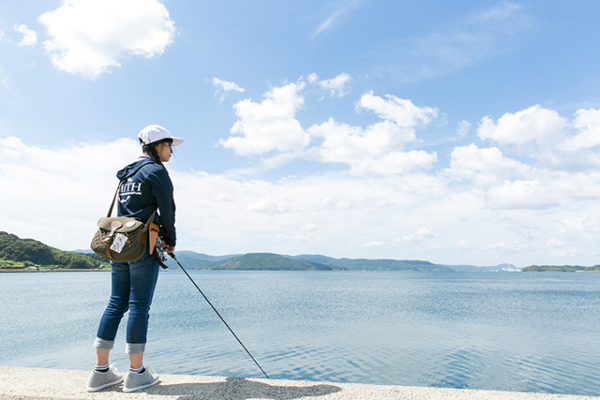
(463, 132)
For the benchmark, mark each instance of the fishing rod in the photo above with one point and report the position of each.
(219, 315)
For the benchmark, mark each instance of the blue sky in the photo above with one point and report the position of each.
(461, 132)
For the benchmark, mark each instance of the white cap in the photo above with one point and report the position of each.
(154, 133)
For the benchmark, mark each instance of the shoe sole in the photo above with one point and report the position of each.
(95, 389)
(129, 390)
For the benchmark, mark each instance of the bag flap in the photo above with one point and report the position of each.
(128, 224)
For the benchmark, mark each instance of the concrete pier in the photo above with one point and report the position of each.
(55, 384)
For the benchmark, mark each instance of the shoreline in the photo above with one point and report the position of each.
(17, 271)
(55, 384)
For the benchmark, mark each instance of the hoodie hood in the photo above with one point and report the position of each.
(134, 167)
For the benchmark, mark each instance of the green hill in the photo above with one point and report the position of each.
(561, 268)
(387, 265)
(192, 260)
(270, 262)
(17, 253)
(315, 258)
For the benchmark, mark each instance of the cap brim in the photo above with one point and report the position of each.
(176, 141)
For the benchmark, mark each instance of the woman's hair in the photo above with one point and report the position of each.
(151, 148)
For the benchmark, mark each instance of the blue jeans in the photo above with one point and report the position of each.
(133, 286)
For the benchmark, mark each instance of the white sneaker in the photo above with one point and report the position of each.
(101, 380)
(137, 381)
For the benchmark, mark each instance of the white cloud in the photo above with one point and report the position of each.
(270, 124)
(75, 184)
(464, 245)
(368, 150)
(88, 37)
(9, 93)
(225, 86)
(484, 208)
(400, 111)
(337, 16)
(521, 194)
(587, 122)
(235, 215)
(484, 167)
(534, 123)
(376, 148)
(463, 128)
(336, 86)
(416, 237)
(394, 162)
(29, 36)
(309, 227)
(270, 205)
(565, 253)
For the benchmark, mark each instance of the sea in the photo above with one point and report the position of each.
(526, 332)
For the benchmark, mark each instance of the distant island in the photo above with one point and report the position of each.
(29, 255)
(306, 262)
(316, 262)
(561, 268)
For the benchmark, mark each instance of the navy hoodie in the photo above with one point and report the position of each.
(146, 186)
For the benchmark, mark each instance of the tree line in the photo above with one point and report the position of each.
(22, 253)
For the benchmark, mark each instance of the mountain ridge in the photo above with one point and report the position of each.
(17, 253)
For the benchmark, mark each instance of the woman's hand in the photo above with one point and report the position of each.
(168, 249)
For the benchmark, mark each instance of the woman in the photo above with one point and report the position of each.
(145, 187)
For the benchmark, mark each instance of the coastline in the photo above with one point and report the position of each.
(55, 384)
(16, 271)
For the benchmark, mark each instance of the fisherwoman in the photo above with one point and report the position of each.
(145, 187)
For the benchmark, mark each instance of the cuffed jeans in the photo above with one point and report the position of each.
(133, 286)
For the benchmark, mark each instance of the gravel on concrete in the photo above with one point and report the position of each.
(51, 384)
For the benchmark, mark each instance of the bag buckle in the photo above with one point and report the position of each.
(113, 227)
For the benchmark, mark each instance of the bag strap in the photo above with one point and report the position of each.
(113, 200)
(150, 219)
(112, 205)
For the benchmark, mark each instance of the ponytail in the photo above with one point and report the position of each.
(150, 149)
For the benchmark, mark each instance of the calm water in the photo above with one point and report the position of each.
(501, 331)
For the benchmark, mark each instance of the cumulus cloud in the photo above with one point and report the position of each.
(534, 123)
(66, 178)
(587, 123)
(522, 195)
(233, 215)
(395, 162)
(271, 205)
(29, 36)
(88, 37)
(337, 86)
(484, 167)
(376, 148)
(270, 124)
(400, 111)
(384, 201)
